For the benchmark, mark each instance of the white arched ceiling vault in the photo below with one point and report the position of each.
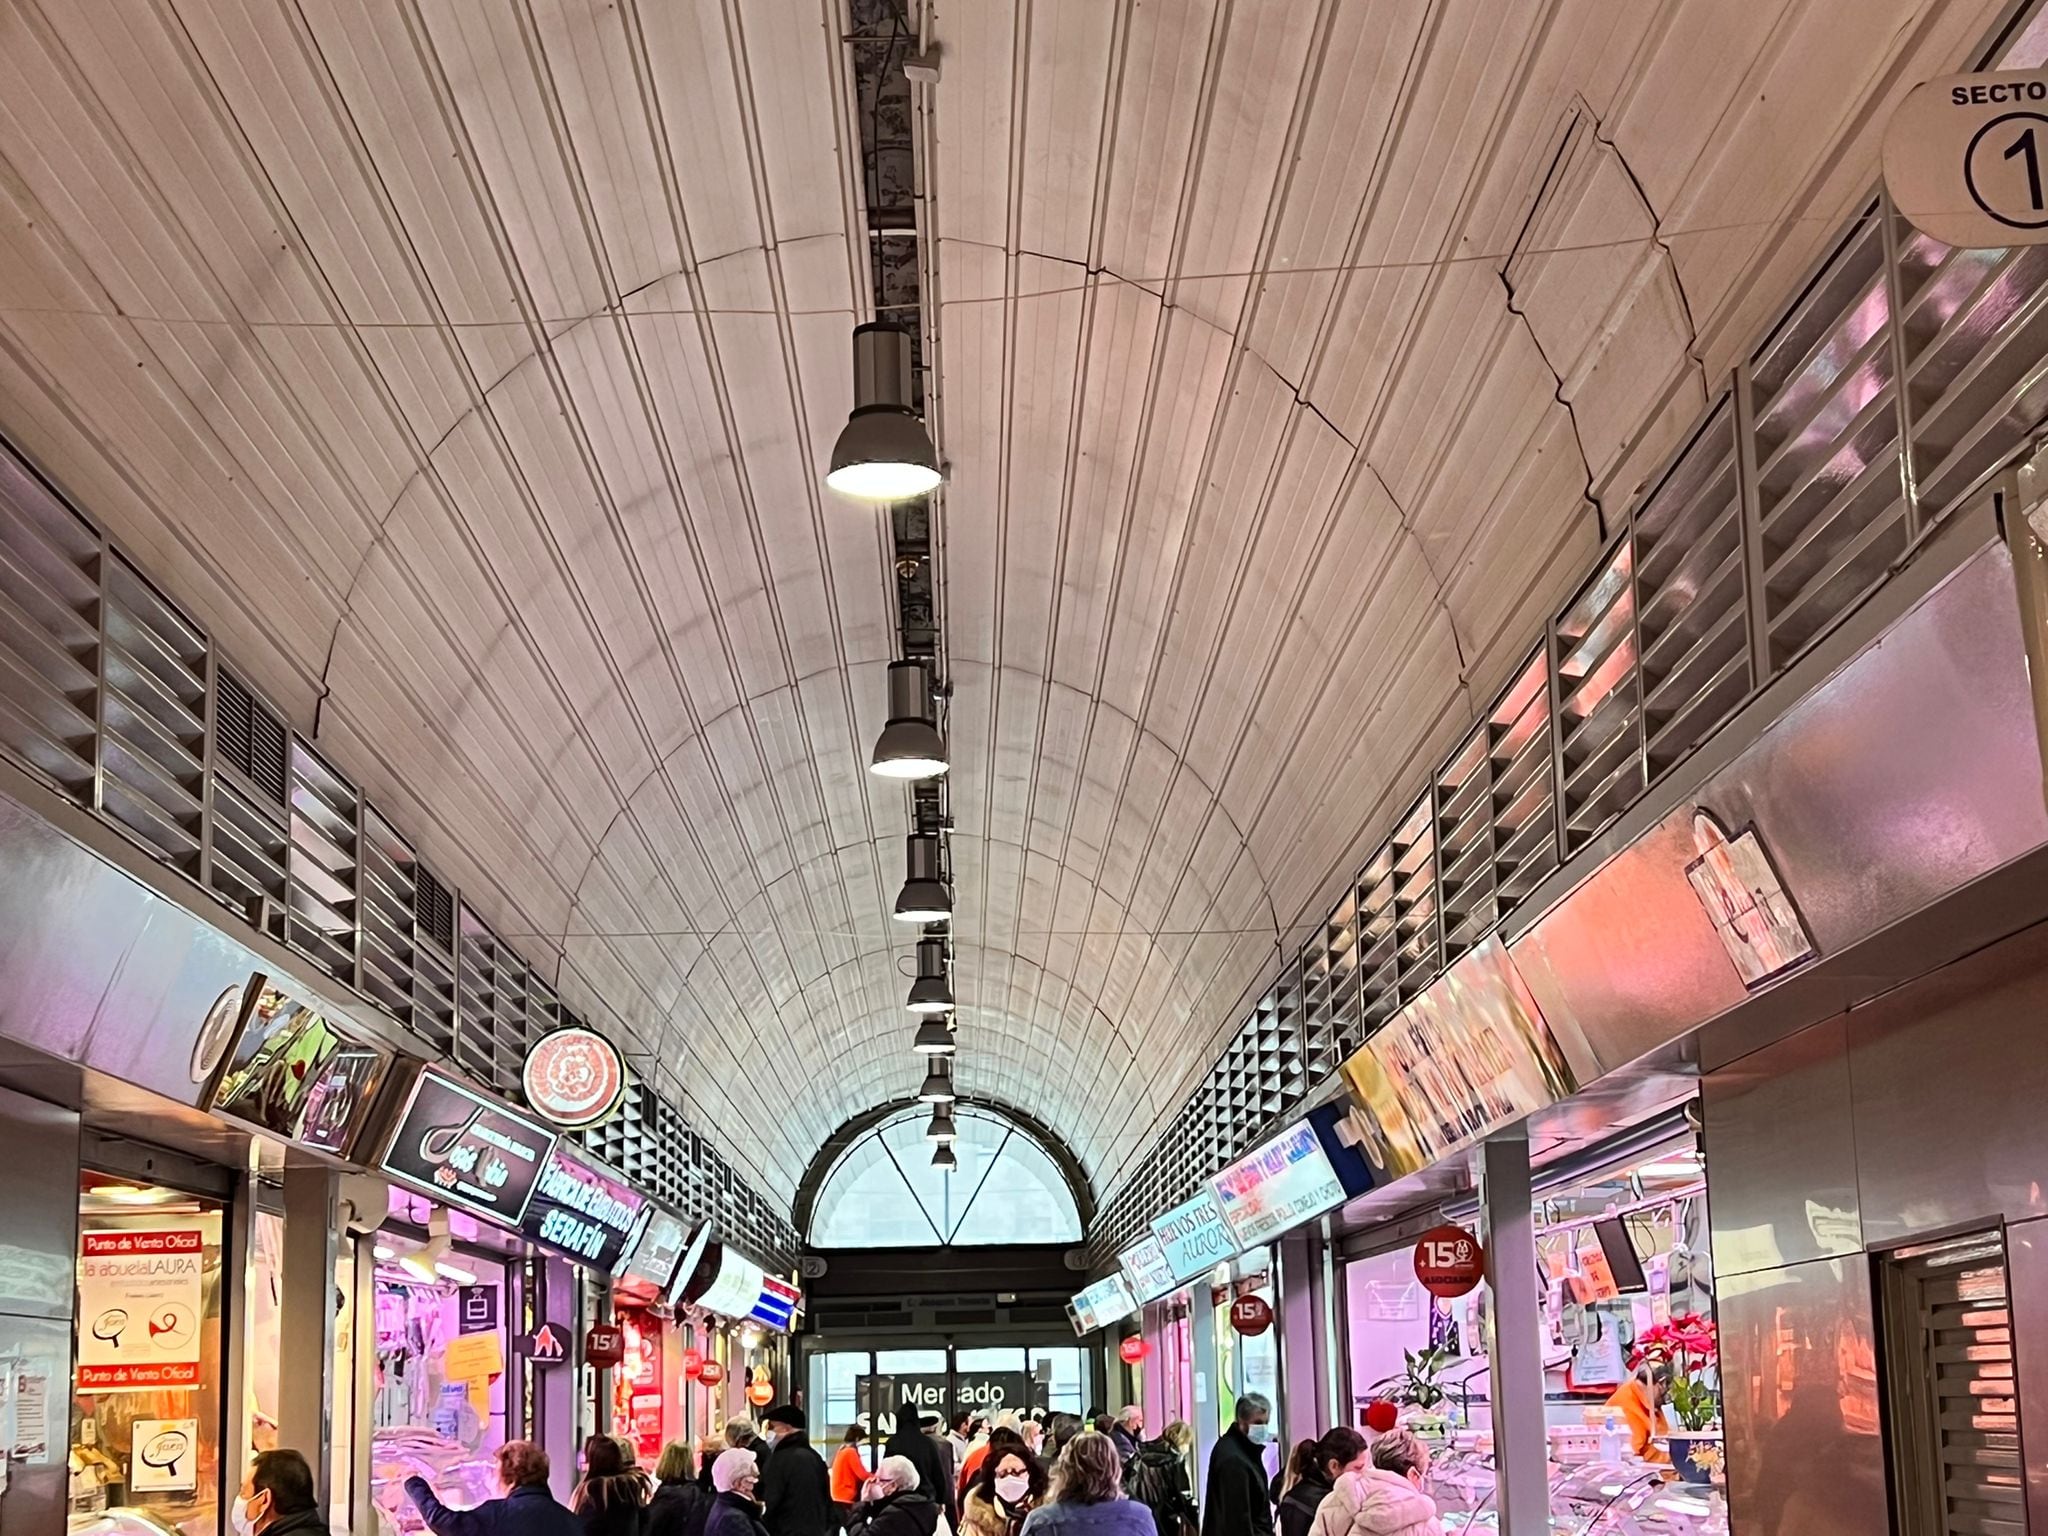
(468, 369)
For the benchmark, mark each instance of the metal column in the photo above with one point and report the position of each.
(1514, 1344)
(1302, 1374)
(1202, 1341)
(306, 1319)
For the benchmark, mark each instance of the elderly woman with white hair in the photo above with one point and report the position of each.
(893, 1503)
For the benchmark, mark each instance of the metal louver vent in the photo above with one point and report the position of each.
(433, 908)
(250, 739)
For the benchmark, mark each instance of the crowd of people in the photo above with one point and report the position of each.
(1015, 1476)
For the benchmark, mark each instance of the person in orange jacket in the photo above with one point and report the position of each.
(1640, 1401)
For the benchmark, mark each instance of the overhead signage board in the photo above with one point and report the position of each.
(1966, 158)
(1146, 1270)
(1193, 1237)
(686, 1267)
(650, 1268)
(735, 1287)
(298, 1073)
(1343, 1143)
(573, 1077)
(467, 1150)
(881, 1403)
(1470, 1055)
(1278, 1187)
(583, 1210)
(1107, 1301)
(777, 1304)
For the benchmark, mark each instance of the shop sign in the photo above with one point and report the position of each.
(1146, 1270)
(465, 1150)
(761, 1393)
(1133, 1349)
(1966, 158)
(1107, 1301)
(604, 1346)
(473, 1357)
(1193, 1237)
(777, 1303)
(1276, 1188)
(661, 1245)
(740, 1288)
(883, 1401)
(580, 1209)
(299, 1074)
(139, 1300)
(693, 1363)
(164, 1457)
(573, 1077)
(476, 1309)
(692, 1260)
(1449, 1262)
(1251, 1315)
(546, 1345)
(1468, 1056)
(712, 1374)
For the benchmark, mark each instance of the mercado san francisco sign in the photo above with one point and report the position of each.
(1966, 158)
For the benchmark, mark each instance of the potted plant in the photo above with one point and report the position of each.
(1417, 1395)
(1690, 1346)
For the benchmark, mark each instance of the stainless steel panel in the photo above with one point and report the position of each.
(38, 1207)
(96, 969)
(1949, 1078)
(1781, 1154)
(2026, 1268)
(1800, 1366)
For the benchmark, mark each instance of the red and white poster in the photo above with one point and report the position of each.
(139, 1297)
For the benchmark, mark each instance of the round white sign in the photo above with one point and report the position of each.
(1966, 158)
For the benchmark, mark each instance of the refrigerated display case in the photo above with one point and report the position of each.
(1595, 1498)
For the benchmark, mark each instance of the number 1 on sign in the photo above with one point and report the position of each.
(2025, 146)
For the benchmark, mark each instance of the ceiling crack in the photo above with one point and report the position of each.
(1442, 599)
(1592, 490)
(1659, 239)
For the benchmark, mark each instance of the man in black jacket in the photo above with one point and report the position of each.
(918, 1448)
(1237, 1504)
(796, 1488)
(277, 1497)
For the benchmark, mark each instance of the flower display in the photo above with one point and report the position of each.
(1691, 1346)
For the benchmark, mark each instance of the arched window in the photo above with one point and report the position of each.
(883, 1192)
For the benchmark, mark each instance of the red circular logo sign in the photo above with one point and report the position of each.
(605, 1345)
(573, 1077)
(693, 1363)
(1251, 1315)
(712, 1374)
(1133, 1349)
(1449, 1262)
(761, 1393)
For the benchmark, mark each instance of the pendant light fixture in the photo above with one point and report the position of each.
(884, 453)
(910, 746)
(932, 992)
(935, 1038)
(938, 1082)
(924, 898)
(941, 1129)
(944, 1159)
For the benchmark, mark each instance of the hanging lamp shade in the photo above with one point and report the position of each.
(884, 453)
(938, 1083)
(932, 992)
(944, 1158)
(941, 1129)
(910, 746)
(924, 898)
(934, 1038)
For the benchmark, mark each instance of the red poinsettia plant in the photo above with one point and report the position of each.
(1691, 1346)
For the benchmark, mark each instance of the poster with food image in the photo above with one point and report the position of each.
(140, 1293)
(300, 1074)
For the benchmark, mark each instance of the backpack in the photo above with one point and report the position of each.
(1148, 1480)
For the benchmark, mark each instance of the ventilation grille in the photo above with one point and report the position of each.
(250, 739)
(49, 634)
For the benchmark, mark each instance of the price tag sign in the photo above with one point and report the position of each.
(1449, 1262)
(1251, 1315)
(1966, 158)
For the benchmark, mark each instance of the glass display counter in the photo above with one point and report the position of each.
(1593, 1499)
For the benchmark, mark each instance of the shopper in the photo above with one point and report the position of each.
(894, 1503)
(709, 1449)
(680, 1502)
(1008, 1485)
(934, 1429)
(1032, 1428)
(1157, 1478)
(796, 1489)
(527, 1509)
(735, 1475)
(1002, 1437)
(849, 1471)
(611, 1500)
(1640, 1401)
(960, 1431)
(1087, 1497)
(1237, 1501)
(1313, 1471)
(1128, 1432)
(277, 1498)
(1386, 1497)
(1059, 1429)
(741, 1435)
(922, 1452)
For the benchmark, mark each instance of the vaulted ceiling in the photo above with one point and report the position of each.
(468, 367)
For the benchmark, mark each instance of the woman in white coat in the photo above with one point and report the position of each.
(1386, 1499)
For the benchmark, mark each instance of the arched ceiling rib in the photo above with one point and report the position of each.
(468, 370)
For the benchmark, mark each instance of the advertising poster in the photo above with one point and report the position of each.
(299, 1075)
(467, 1151)
(1277, 1188)
(1107, 1301)
(139, 1297)
(165, 1458)
(1468, 1056)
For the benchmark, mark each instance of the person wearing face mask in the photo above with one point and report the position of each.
(1008, 1485)
(277, 1498)
(735, 1475)
(527, 1509)
(796, 1487)
(1238, 1501)
(1386, 1497)
(894, 1503)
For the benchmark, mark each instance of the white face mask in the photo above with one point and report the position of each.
(239, 1515)
(1261, 1434)
(1013, 1488)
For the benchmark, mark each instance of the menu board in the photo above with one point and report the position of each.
(1193, 1237)
(653, 1259)
(1146, 1270)
(1107, 1301)
(298, 1073)
(584, 1210)
(466, 1150)
(1468, 1056)
(1277, 1188)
